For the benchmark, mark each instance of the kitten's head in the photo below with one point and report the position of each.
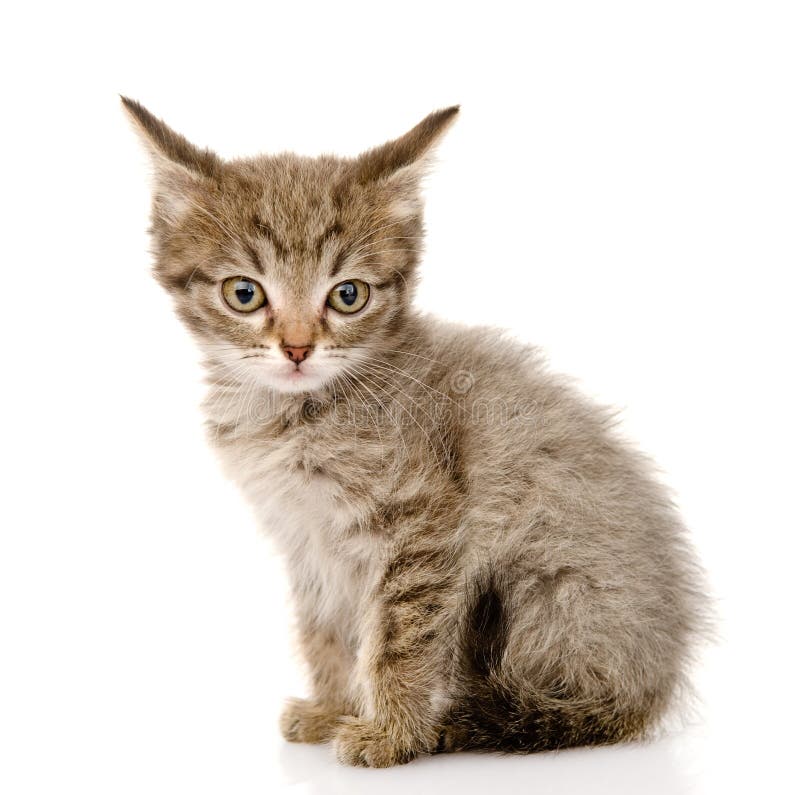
(289, 270)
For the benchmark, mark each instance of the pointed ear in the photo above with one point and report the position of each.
(409, 153)
(182, 170)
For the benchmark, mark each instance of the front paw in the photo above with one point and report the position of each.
(363, 743)
(305, 721)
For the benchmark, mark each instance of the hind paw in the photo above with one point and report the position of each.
(305, 721)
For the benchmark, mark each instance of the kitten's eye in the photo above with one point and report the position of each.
(243, 295)
(349, 297)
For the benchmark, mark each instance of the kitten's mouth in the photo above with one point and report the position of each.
(300, 378)
(293, 377)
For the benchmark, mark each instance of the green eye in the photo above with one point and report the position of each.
(349, 297)
(242, 294)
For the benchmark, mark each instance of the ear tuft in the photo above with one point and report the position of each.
(411, 148)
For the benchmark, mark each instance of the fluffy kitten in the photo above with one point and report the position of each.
(477, 561)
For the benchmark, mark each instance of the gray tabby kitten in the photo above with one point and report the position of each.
(477, 561)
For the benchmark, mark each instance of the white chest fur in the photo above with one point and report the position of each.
(333, 564)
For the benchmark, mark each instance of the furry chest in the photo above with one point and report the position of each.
(333, 561)
(333, 564)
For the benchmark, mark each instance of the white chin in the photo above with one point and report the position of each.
(296, 381)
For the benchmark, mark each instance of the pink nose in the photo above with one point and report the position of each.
(297, 353)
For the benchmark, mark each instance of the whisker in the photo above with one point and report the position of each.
(400, 404)
(197, 267)
(383, 265)
(369, 414)
(371, 232)
(226, 391)
(394, 369)
(408, 353)
(386, 411)
(380, 373)
(375, 243)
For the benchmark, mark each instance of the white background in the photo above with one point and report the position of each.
(622, 187)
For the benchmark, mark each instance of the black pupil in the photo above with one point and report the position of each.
(348, 292)
(245, 292)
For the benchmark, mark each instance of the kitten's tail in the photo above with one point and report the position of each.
(495, 712)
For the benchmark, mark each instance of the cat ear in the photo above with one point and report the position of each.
(400, 164)
(182, 170)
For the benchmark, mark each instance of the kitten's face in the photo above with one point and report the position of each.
(290, 271)
(288, 275)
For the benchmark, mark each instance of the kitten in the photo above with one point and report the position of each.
(477, 561)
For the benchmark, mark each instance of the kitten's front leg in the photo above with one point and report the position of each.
(315, 720)
(401, 669)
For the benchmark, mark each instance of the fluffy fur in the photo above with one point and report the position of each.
(477, 561)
